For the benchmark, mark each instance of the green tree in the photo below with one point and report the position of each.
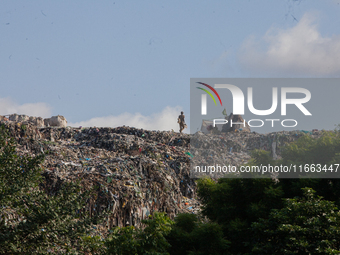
(190, 236)
(306, 150)
(308, 225)
(236, 203)
(123, 241)
(33, 222)
(149, 240)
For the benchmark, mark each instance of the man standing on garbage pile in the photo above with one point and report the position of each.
(181, 122)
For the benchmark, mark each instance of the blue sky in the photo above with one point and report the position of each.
(110, 63)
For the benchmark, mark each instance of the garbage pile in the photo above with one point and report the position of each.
(56, 121)
(136, 172)
(234, 148)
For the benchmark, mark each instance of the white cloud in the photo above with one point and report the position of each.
(300, 50)
(8, 106)
(164, 120)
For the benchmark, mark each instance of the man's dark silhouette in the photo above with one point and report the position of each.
(181, 122)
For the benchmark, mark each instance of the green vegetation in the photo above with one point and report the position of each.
(191, 236)
(307, 225)
(151, 240)
(235, 203)
(33, 222)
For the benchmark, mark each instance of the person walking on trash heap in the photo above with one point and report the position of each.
(181, 122)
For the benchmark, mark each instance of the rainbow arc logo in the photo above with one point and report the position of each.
(209, 93)
(204, 97)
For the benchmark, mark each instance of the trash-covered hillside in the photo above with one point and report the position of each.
(136, 171)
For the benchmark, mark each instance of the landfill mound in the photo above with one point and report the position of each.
(136, 171)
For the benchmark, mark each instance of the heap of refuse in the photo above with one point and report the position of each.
(136, 171)
(54, 121)
(234, 148)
